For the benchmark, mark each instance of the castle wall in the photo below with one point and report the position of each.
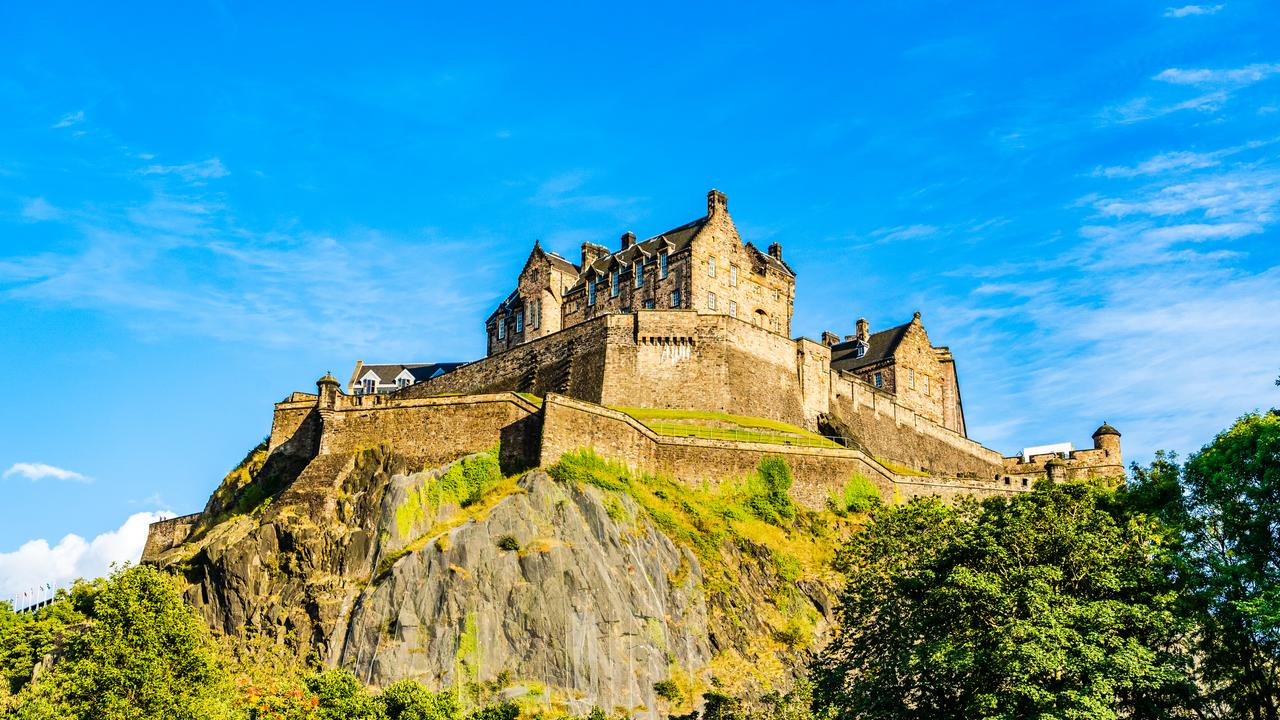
(571, 362)
(570, 425)
(1078, 465)
(892, 431)
(166, 534)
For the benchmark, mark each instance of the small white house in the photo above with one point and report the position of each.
(1056, 448)
(376, 379)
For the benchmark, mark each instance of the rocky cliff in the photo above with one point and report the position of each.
(584, 584)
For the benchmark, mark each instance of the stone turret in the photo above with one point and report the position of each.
(1108, 438)
(327, 391)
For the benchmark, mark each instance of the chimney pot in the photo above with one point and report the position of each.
(775, 250)
(628, 239)
(864, 329)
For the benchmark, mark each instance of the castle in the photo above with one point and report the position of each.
(674, 354)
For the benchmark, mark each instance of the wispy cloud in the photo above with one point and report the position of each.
(904, 232)
(1190, 10)
(70, 119)
(41, 471)
(1235, 77)
(203, 170)
(565, 191)
(39, 209)
(37, 563)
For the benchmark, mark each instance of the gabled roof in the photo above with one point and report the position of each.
(673, 240)
(387, 374)
(880, 346)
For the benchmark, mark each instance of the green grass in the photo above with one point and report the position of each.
(531, 398)
(698, 423)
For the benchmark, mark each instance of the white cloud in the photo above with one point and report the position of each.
(563, 191)
(1189, 10)
(1167, 162)
(904, 232)
(70, 119)
(38, 209)
(41, 471)
(1237, 77)
(191, 172)
(36, 563)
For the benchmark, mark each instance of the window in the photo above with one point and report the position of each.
(859, 349)
(733, 276)
(879, 380)
(711, 267)
(613, 283)
(403, 383)
(639, 273)
(733, 309)
(911, 378)
(776, 294)
(926, 384)
(662, 265)
(502, 328)
(711, 300)
(648, 304)
(520, 321)
(675, 298)
(591, 292)
(369, 385)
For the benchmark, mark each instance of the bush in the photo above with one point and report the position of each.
(408, 700)
(667, 690)
(508, 542)
(767, 491)
(501, 711)
(859, 495)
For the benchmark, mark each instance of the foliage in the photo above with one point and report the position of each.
(768, 491)
(1225, 502)
(142, 654)
(464, 483)
(1049, 604)
(859, 495)
(408, 700)
(509, 543)
(794, 705)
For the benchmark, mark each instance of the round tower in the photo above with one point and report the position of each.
(327, 391)
(1108, 438)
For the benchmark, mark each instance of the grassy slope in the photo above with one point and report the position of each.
(699, 423)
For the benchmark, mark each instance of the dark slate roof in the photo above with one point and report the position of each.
(880, 346)
(674, 240)
(1106, 429)
(561, 263)
(420, 371)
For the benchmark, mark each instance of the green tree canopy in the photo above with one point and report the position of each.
(1051, 604)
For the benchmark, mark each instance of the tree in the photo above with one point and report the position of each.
(1051, 604)
(142, 654)
(1231, 563)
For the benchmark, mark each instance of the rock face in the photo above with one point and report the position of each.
(562, 585)
(587, 602)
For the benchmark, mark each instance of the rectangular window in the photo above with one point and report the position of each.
(648, 304)
(926, 384)
(591, 292)
(639, 273)
(675, 298)
(775, 294)
(502, 328)
(711, 300)
(613, 283)
(520, 321)
(711, 267)
(733, 276)
(879, 380)
(662, 265)
(911, 378)
(368, 385)
(733, 309)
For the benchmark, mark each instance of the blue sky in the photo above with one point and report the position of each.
(205, 207)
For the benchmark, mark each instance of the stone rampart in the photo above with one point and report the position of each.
(167, 534)
(894, 432)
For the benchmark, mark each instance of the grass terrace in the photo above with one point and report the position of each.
(724, 426)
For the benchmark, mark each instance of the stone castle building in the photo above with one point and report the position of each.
(697, 318)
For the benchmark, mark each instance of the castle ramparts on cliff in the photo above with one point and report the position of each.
(691, 320)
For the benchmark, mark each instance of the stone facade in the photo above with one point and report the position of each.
(702, 265)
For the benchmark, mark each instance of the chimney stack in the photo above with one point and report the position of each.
(592, 252)
(628, 239)
(716, 202)
(829, 338)
(775, 250)
(864, 329)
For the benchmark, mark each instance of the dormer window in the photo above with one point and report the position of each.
(368, 385)
(859, 349)
(502, 328)
(403, 383)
